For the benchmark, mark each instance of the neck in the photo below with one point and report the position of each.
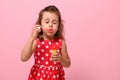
(48, 37)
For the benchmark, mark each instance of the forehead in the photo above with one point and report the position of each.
(50, 15)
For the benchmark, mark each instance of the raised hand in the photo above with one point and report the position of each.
(36, 29)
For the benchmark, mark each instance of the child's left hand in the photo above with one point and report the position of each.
(57, 57)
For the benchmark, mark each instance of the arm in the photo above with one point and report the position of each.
(65, 59)
(30, 46)
(28, 49)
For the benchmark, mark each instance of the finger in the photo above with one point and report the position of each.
(37, 25)
(55, 59)
(56, 54)
(38, 28)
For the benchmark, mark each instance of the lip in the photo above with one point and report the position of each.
(50, 30)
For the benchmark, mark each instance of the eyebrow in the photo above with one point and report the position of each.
(49, 19)
(46, 19)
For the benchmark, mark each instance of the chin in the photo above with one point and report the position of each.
(50, 35)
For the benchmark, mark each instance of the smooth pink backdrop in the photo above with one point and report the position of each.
(92, 31)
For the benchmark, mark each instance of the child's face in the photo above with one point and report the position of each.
(49, 23)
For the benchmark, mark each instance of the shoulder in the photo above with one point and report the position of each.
(36, 42)
(64, 46)
(62, 41)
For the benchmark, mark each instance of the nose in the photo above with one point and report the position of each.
(50, 25)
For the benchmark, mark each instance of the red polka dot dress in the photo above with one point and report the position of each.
(44, 68)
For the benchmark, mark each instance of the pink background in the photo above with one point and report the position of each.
(92, 31)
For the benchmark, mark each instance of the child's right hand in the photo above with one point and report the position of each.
(36, 29)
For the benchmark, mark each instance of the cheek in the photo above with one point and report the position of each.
(55, 29)
(45, 30)
(44, 26)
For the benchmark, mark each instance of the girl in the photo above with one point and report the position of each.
(48, 46)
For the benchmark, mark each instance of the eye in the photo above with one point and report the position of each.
(54, 22)
(46, 22)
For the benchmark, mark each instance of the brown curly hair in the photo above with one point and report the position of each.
(53, 9)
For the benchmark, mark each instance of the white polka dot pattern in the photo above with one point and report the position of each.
(46, 54)
(49, 43)
(47, 46)
(38, 53)
(38, 61)
(38, 74)
(42, 50)
(38, 46)
(45, 68)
